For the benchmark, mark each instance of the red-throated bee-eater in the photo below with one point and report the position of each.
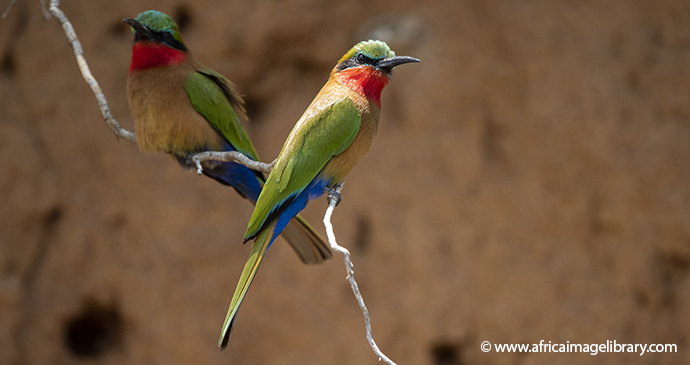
(182, 107)
(330, 138)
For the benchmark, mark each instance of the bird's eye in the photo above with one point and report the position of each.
(361, 59)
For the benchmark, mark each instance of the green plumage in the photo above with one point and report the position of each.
(213, 97)
(372, 48)
(322, 136)
(255, 258)
(181, 107)
(159, 22)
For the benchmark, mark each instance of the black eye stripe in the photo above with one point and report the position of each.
(357, 60)
(167, 38)
(364, 60)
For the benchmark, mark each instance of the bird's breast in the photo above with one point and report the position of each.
(164, 118)
(340, 165)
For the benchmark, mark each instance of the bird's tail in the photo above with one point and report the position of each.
(263, 240)
(306, 242)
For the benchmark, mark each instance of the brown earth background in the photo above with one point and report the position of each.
(530, 181)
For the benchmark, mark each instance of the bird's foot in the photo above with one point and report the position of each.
(334, 194)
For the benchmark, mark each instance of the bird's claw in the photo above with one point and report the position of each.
(333, 195)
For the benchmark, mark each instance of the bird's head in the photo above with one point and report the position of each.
(366, 67)
(157, 40)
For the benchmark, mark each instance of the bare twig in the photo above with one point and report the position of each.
(44, 9)
(119, 131)
(333, 199)
(230, 156)
(197, 159)
(9, 7)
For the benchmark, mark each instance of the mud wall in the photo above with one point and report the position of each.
(530, 181)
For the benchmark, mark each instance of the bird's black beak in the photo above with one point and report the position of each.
(141, 31)
(387, 64)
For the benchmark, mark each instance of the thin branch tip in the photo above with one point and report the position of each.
(9, 8)
(333, 199)
(67, 27)
(115, 127)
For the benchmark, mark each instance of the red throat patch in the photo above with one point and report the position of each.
(365, 80)
(151, 54)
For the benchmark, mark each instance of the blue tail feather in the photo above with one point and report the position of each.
(297, 204)
(243, 179)
(246, 181)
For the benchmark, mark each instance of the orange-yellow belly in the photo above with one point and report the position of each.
(339, 166)
(164, 118)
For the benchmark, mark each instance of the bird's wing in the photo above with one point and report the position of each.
(214, 97)
(310, 146)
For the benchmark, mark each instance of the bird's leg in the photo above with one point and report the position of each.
(334, 194)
